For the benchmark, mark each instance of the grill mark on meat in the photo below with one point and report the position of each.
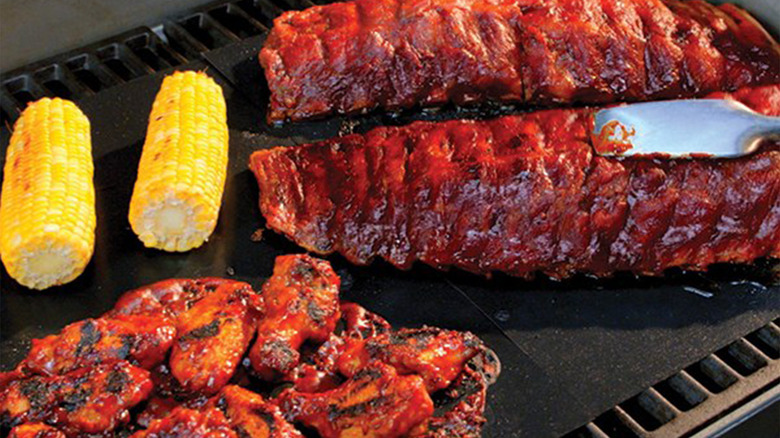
(116, 381)
(316, 313)
(241, 431)
(400, 247)
(337, 179)
(662, 241)
(335, 412)
(89, 337)
(37, 391)
(267, 417)
(128, 343)
(205, 331)
(347, 234)
(75, 400)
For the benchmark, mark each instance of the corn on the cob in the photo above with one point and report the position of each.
(47, 206)
(181, 175)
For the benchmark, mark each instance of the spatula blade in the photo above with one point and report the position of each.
(679, 128)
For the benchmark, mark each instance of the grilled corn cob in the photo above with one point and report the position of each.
(181, 175)
(47, 207)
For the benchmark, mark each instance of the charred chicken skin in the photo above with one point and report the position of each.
(168, 297)
(141, 339)
(354, 56)
(376, 402)
(251, 416)
(89, 400)
(301, 303)
(35, 430)
(213, 336)
(189, 423)
(464, 419)
(436, 355)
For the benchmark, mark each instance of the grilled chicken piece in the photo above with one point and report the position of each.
(464, 418)
(157, 407)
(251, 416)
(376, 402)
(140, 329)
(212, 336)
(35, 430)
(143, 340)
(301, 303)
(89, 400)
(170, 297)
(317, 370)
(189, 423)
(435, 354)
(360, 323)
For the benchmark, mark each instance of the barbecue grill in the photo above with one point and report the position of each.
(684, 355)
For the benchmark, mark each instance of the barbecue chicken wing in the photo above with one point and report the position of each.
(376, 402)
(142, 340)
(170, 297)
(35, 430)
(463, 419)
(317, 371)
(251, 416)
(435, 354)
(301, 303)
(189, 423)
(89, 400)
(212, 336)
(157, 407)
(360, 323)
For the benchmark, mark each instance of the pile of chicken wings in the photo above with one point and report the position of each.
(173, 359)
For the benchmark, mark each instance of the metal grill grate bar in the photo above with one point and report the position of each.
(232, 17)
(210, 34)
(59, 81)
(23, 90)
(9, 112)
(742, 357)
(150, 49)
(262, 11)
(682, 391)
(767, 339)
(707, 383)
(118, 58)
(713, 374)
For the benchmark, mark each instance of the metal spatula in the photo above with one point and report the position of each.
(679, 128)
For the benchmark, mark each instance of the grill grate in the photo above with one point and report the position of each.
(137, 53)
(140, 52)
(684, 402)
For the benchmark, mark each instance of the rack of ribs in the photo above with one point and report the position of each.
(392, 54)
(521, 194)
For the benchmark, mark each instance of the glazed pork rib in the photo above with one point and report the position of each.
(520, 194)
(355, 56)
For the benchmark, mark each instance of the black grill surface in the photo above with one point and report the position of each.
(587, 358)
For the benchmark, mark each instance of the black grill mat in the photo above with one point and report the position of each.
(569, 351)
